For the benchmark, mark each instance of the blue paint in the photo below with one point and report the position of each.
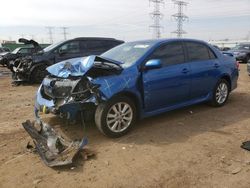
(162, 88)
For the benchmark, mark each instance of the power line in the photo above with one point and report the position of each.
(50, 33)
(156, 16)
(180, 17)
(65, 33)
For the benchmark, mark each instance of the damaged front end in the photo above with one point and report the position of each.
(21, 69)
(67, 91)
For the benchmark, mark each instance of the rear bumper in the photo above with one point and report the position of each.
(234, 79)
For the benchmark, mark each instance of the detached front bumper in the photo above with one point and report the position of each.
(53, 149)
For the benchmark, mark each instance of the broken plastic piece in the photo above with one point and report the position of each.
(52, 148)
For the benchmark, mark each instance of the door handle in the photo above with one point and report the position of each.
(216, 65)
(185, 71)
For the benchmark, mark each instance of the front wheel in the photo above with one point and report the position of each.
(115, 117)
(220, 93)
(38, 74)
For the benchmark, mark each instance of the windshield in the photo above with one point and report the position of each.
(16, 50)
(128, 53)
(242, 47)
(52, 46)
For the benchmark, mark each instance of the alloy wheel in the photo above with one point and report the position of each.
(119, 117)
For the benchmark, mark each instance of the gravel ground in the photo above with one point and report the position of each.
(198, 146)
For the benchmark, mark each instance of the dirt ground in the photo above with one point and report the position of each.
(198, 146)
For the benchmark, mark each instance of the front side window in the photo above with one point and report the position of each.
(197, 51)
(23, 50)
(169, 54)
(70, 47)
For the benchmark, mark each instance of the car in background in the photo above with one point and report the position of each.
(248, 67)
(33, 68)
(241, 52)
(30, 48)
(225, 48)
(136, 80)
(4, 49)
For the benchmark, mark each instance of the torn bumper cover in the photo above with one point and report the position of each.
(52, 148)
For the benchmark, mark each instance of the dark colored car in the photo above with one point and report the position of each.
(6, 59)
(225, 48)
(241, 52)
(137, 80)
(4, 49)
(33, 68)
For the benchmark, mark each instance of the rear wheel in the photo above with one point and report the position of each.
(115, 117)
(220, 93)
(38, 74)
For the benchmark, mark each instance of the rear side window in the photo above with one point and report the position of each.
(101, 45)
(199, 52)
(169, 54)
(92, 45)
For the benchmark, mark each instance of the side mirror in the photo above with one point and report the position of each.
(153, 64)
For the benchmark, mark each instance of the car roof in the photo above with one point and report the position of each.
(156, 42)
(170, 40)
(96, 38)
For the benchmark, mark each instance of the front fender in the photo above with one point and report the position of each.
(112, 85)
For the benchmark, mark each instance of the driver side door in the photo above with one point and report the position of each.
(169, 85)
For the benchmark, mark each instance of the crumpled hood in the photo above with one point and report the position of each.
(76, 66)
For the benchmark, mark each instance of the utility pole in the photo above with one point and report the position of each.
(180, 17)
(65, 33)
(156, 15)
(50, 33)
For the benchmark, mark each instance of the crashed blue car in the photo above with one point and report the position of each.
(136, 80)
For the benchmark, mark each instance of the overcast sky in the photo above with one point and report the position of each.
(121, 19)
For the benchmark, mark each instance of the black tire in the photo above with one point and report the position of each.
(102, 111)
(38, 74)
(215, 101)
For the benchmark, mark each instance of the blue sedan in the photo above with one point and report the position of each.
(137, 80)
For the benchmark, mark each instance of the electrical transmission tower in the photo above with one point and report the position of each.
(65, 33)
(156, 16)
(180, 17)
(50, 33)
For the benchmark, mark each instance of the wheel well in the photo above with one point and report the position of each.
(134, 98)
(227, 78)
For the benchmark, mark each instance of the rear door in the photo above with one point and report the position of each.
(205, 69)
(170, 84)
